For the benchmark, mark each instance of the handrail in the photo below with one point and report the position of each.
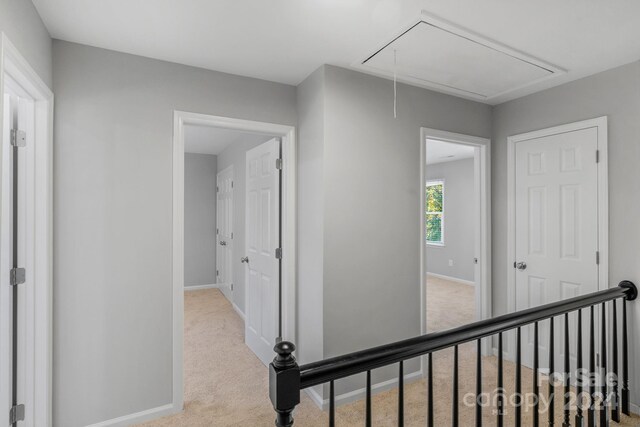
(361, 361)
(287, 378)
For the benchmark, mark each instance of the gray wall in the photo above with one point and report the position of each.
(113, 216)
(200, 219)
(311, 114)
(235, 154)
(371, 206)
(20, 21)
(616, 94)
(459, 222)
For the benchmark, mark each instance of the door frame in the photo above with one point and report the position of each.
(289, 224)
(482, 178)
(227, 169)
(39, 157)
(603, 203)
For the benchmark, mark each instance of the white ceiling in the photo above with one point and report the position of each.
(286, 40)
(211, 140)
(441, 152)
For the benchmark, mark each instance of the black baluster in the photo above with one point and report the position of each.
(567, 373)
(518, 401)
(284, 383)
(536, 401)
(368, 401)
(625, 361)
(332, 404)
(430, 391)
(591, 416)
(615, 402)
(454, 401)
(500, 382)
(478, 383)
(604, 415)
(401, 394)
(579, 376)
(551, 373)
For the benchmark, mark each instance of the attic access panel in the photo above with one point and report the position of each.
(452, 60)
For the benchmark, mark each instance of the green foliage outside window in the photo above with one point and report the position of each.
(434, 212)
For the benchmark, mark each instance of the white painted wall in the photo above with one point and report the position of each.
(113, 218)
(459, 220)
(616, 94)
(200, 240)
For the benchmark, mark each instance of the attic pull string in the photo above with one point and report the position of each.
(395, 84)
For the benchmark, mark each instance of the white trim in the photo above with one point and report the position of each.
(482, 169)
(452, 279)
(137, 417)
(464, 32)
(603, 203)
(359, 394)
(180, 118)
(240, 312)
(200, 287)
(39, 231)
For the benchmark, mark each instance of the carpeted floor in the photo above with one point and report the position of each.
(449, 304)
(226, 385)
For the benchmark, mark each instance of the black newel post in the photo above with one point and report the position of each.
(284, 383)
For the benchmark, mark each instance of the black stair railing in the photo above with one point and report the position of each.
(287, 378)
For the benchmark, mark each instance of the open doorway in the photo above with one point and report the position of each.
(454, 227)
(233, 251)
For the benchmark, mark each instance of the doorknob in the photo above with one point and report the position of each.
(223, 243)
(520, 265)
(244, 259)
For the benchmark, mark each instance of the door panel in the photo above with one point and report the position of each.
(224, 221)
(262, 240)
(556, 228)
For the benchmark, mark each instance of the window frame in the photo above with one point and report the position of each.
(431, 183)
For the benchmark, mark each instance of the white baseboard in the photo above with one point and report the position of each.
(200, 287)
(359, 394)
(237, 309)
(453, 279)
(138, 417)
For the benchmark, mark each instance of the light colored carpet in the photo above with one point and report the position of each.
(226, 385)
(449, 304)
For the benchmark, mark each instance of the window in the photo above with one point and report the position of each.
(434, 212)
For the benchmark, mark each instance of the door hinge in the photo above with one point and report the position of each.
(598, 257)
(279, 164)
(217, 273)
(16, 414)
(17, 276)
(18, 138)
(278, 253)
(217, 189)
(231, 184)
(217, 231)
(232, 235)
(597, 156)
(232, 286)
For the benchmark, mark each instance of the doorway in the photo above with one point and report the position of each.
(558, 221)
(454, 228)
(25, 230)
(274, 162)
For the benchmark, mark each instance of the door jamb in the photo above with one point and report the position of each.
(483, 228)
(289, 221)
(603, 202)
(39, 228)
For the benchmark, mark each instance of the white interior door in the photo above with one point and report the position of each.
(556, 230)
(263, 239)
(224, 232)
